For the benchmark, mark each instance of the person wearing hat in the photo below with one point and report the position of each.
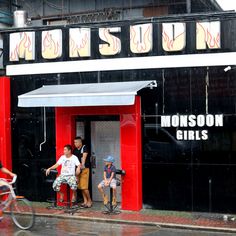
(109, 180)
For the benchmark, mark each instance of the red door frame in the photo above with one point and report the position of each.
(5, 123)
(130, 144)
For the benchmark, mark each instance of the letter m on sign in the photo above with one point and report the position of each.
(22, 46)
(165, 121)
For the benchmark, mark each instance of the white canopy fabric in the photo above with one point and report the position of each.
(80, 95)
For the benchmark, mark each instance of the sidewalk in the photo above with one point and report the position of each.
(165, 219)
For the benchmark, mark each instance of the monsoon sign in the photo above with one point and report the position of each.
(192, 127)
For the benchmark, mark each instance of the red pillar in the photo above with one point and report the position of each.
(131, 158)
(5, 123)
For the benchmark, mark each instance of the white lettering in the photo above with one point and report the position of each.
(179, 135)
(165, 121)
(204, 134)
(173, 36)
(219, 120)
(209, 120)
(141, 38)
(192, 121)
(175, 121)
(190, 135)
(80, 40)
(183, 121)
(200, 120)
(208, 35)
(113, 44)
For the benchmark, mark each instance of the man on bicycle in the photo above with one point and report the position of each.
(8, 172)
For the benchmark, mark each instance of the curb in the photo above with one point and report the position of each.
(144, 223)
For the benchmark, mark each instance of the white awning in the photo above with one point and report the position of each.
(79, 95)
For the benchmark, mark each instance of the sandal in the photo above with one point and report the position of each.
(89, 205)
(83, 206)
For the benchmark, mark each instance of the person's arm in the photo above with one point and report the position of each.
(104, 176)
(8, 172)
(84, 156)
(77, 171)
(51, 168)
(112, 176)
(78, 166)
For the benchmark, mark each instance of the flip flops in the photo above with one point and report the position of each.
(85, 206)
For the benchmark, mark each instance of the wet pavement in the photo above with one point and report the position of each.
(146, 216)
(60, 227)
(92, 221)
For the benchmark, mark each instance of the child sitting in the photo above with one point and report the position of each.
(109, 180)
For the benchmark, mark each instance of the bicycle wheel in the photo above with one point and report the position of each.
(22, 213)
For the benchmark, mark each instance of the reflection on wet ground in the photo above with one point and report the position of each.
(60, 227)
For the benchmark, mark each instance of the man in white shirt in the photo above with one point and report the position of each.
(70, 169)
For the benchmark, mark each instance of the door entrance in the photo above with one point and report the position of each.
(102, 135)
(129, 119)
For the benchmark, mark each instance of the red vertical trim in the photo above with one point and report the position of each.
(130, 141)
(5, 123)
(131, 158)
(64, 130)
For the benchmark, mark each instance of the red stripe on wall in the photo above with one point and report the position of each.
(5, 123)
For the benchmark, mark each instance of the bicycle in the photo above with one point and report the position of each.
(21, 210)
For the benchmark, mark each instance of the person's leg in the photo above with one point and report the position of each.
(113, 186)
(73, 199)
(89, 200)
(57, 187)
(114, 201)
(101, 190)
(84, 185)
(5, 197)
(81, 187)
(71, 181)
(84, 198)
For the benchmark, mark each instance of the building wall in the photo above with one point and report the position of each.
(78, 11)
(199, 177)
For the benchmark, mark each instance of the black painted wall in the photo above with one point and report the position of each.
(200, 177)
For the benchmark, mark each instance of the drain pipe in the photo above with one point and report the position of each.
(44, 130)
(188, 6)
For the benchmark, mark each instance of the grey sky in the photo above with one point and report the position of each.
(227, 4)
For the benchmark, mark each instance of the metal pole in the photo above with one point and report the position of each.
(163, 91)
(188, 6)
(207, 86)
(44, 130)
(210, 195)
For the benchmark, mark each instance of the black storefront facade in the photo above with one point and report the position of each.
(183, 168)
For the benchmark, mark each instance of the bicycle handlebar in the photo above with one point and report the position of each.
(13, 179)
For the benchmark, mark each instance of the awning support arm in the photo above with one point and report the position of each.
(44, 130)
(153, 84)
